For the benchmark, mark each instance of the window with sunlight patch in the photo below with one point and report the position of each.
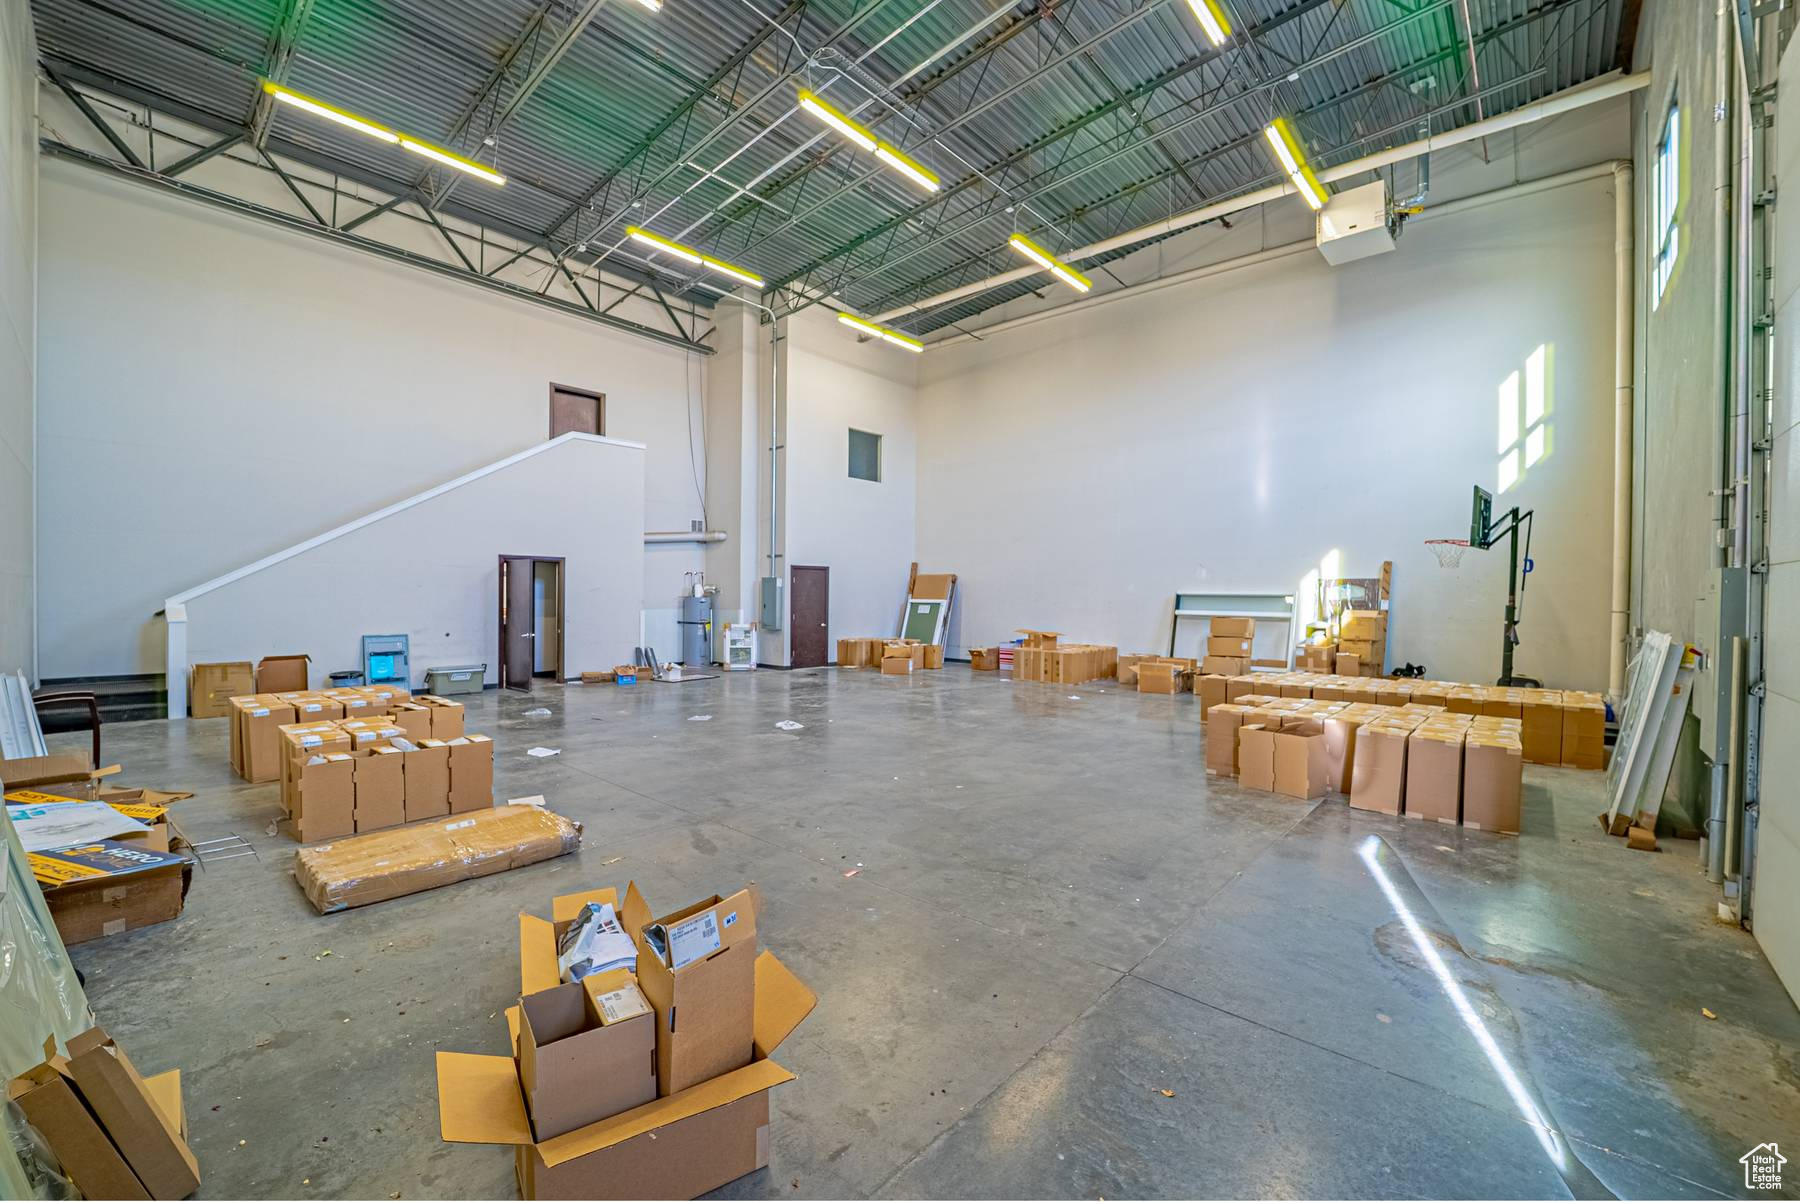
(1523, 408)
(1665, 205)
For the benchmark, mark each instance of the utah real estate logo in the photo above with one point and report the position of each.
(1762, 1166)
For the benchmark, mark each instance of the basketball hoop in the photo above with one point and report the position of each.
(1449, 551)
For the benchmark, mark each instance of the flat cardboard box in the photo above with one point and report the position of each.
(165, 1091)
(1231, 628)
(1541, 718)
(1225, 665)
(1210, 690)
(1434, 762)
(679, 1146)
(1493, 777)
(1234, 648)
(425, 778)
(281, 673)
(984, 659)
(212, 686)
(324, 796)
(1256, 757)
(150, 1142)
(1583, 732)
(1378, 773)
(573, 1068)
(380, 788)
(364, 869)
(1302, 761)
(471, 773)
(705, 1008)
(51, 1104)
(447, 716)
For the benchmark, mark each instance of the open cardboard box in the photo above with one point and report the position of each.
(678, 1146)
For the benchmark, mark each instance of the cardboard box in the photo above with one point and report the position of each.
(1231, 628)
(1241, 685)
(1234, 648)
(323, 795)
(1256, 756)
(851, 653)
(1584, 730)
(446, 716)
(1301, 761)
(313, 707)
(1126, 667)
(1503, 703)
(282, 673)
(256, 723)
(1493, 781)
(212, 686)
(364, 869)
(712, 993)
(1043, 639)
(1434, 755)
(576, 1069)
(148, 1140)
(1221, 736)
(471, 773)
(1378, 771)
(1210, 690)
(1340, 728)
(47, 1096)
(1224, 665)
(110, 887)
(1465, 699)
(57, 768)
(679, 1146)
(1297, 690)
(412, 718)
(380, 788)
(984, 659)
(1317, 657)
(165, 1091)
(1349, 663)
(425, 778)
(1161, 676)
(367, 733)
(1368, 624)
(1541, 723)
(897, 661)
(934, 655)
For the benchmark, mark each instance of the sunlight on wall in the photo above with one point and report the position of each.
(1524, 403)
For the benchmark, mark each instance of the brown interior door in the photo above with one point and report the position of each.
(517, 621)
(572, 410)
(810, 617)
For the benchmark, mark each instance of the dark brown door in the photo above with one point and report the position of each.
(572, 410)
(517, 622)
(810, 617)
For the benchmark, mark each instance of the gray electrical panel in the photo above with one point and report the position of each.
(770, 610)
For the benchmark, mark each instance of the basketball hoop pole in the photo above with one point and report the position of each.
(1509, 637)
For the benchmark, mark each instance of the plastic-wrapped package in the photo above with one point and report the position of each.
(382, 865)
(594, 942)
(40, 995)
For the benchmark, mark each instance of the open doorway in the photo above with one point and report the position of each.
(531, 620)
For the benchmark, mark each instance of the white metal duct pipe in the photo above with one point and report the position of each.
(1550, 106)
(684, 536)
(1624, 318)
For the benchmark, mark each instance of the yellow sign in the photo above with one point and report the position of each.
(61, 872)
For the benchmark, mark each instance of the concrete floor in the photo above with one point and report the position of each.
(1069, 964)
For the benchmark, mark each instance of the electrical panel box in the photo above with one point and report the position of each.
(769, 612)
(1354, 224)
(386, 659)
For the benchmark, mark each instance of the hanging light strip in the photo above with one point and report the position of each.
(1049, 263)
(695, 257)
(865, 139)
(349, 120)
(1213, 21)
(1293, 162)
(882, 332)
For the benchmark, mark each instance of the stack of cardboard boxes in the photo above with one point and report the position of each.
(1163, 673)
(1362, 642)
(1228, 642)
(605, 1094)
(874, 653)
(116, 1134)
(1045, 658)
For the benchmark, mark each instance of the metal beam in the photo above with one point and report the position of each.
(94, 119)
(338, 237)
(293, 187)
(280, 56)
(204, 153)
(433, 217)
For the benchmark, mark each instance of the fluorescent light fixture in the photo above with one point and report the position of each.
(319, 108)
(1044, 259)
(1213, 21)
(1293, 162)
(838, 121)
(450, 158)
(907, 167)
(654, 6)
(693, 256)
(882, 332)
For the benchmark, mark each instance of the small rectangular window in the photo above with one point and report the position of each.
(1665, 205)
(865, 456)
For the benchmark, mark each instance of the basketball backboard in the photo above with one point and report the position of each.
(1481, 517)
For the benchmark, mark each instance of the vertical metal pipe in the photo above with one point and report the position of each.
(1624, 316)
(1734, 779)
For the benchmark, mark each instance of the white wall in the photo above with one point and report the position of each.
(862, 530)
(1226, 433)
(222, 390)
(428, 570)
(18, 306)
